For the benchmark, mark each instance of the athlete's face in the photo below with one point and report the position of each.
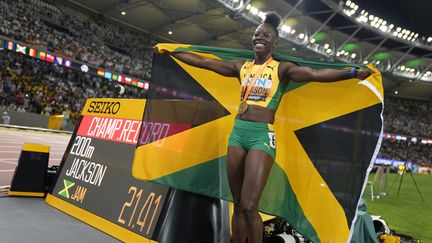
(264, 39)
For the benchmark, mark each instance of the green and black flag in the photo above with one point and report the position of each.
(328, 135)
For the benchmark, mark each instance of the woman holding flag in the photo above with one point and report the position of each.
(252, 143)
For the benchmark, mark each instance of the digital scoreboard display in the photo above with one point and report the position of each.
(95, 182)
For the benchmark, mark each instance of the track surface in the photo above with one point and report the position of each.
(12, 140)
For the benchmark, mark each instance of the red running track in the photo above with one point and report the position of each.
(11, 141)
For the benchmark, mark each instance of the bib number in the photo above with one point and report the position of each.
(272, 139)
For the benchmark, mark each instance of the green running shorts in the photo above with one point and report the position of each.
(253, 135)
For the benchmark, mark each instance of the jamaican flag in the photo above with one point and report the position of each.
(328, 134)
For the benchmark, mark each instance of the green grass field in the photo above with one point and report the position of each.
(406, 214)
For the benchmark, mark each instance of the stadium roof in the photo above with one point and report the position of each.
(392, 34)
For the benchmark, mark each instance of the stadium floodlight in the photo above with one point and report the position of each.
(234, 5)
(429, 39)
(365, 62)
(253, 10)
(286, 28)
(416, 35)
(329, 51)
(170, 32)
(326, 46)
(312, 40)
(396, 92)
(123, 13)
(383, 28)
(398, 29)
(348, 3)
(371, 17)
(362, 18)
(428, 73)
(301, 36)
(293, 31)
(248, 7)
(377, 62)
(262, 15)
(402, 68)
(338, 54)
(353, 55)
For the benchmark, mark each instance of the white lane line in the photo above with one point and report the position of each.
(6, 162)
(8, 151)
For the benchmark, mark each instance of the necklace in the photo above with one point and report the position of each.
(244, 105)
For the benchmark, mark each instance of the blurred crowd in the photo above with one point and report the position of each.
(65, 31)
(31, 85)
(408, 117)
(418, 153)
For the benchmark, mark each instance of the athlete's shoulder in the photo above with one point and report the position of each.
(273, 65)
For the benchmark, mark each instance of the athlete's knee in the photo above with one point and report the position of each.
(237, 208)
(249, 209)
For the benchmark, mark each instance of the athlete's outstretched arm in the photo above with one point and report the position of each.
(307, 74)
(225, 68)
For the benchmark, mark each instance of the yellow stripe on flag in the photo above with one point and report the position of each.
(181, 150)
(311, 104)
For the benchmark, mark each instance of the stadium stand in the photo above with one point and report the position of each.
(65, 31)
(30, 85)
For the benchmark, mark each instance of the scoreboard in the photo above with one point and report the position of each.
(95, 184)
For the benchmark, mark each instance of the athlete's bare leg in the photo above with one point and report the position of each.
(257, 168)
(235, 170)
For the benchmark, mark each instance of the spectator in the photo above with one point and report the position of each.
(5, 118)
(63, 30)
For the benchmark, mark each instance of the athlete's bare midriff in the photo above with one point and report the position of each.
(257, 114)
